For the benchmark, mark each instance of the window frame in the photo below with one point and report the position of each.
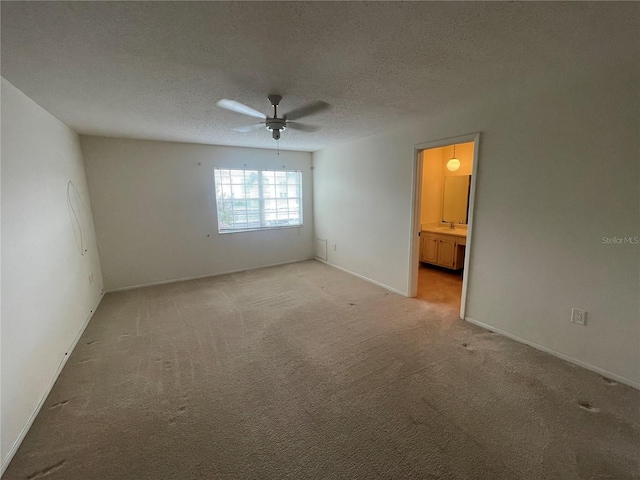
(261, 199)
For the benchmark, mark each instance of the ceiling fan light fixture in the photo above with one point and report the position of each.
(275, 124)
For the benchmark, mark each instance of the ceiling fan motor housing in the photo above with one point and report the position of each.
(276, 125)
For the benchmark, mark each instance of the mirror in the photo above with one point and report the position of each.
(455, 201)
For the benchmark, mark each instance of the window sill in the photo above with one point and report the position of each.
(282, 227)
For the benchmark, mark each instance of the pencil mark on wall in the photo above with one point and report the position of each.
(76, 215)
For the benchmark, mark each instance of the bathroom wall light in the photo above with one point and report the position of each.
(454, 163)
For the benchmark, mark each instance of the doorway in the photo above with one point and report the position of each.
(445, 173)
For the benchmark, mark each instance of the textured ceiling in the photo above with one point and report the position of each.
(155, 70)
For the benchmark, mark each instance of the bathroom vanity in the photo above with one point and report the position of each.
(443, 246)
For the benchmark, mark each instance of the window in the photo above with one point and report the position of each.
(255, 199)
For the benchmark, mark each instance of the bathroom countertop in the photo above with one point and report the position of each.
(457, 232)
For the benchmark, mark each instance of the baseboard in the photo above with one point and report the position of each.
(186, 279)
(63, 362)
(555, 353)
(370, 280)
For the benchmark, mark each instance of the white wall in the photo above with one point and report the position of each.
(558, 170)
(155, 211)
(46, 296)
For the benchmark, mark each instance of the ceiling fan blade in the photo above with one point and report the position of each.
(239, 108)
(306, 110)
(249, 128)
(302, 127)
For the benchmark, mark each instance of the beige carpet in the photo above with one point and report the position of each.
(305, 372)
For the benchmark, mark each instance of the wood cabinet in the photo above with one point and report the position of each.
(442, 249)
(428, 248)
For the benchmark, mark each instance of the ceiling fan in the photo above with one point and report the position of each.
(275, 124)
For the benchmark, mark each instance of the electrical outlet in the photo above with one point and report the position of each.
(578, 316)
(335, 247)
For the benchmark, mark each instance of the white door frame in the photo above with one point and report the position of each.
(414, 243)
